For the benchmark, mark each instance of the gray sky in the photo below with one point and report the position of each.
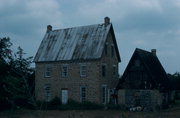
(145, 24)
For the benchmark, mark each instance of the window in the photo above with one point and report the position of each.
(83, 70)
(114, 70)
(64, 71)
(112, 50)
(105, 49)
(48, 70)
(47, 89)
(104, 90)
(137, 63)
(83, 94)
(103, 70)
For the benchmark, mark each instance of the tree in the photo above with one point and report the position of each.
(16, 77)
(5, 57)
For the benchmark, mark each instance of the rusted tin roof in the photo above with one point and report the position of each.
(77, 43)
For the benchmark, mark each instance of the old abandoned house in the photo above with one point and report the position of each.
(78, 63)
(144, 82)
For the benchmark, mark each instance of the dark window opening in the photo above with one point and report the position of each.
(103, 70)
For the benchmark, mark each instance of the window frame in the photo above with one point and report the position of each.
(83, 94)
(48, 71)
(112, 50)
(83, 71)
(104, 94)
(137, 63)
(103, 70)
(63, 75)
(115, 70)
(106, 48)
(47, 92)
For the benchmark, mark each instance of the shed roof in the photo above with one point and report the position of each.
(76, 43)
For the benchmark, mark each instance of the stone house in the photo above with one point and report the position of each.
(144, 82)
(78, 63)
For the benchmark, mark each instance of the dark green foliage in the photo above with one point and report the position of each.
(116, 107)
(174, 81)
(16, 77)
(72, 105)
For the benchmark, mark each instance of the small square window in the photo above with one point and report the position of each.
(64, 71)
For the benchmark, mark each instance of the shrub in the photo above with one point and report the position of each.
(73, 105)
(116, 107)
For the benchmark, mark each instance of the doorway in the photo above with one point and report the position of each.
(64, 96)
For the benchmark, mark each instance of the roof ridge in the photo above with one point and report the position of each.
(80, 26)
(141, 50)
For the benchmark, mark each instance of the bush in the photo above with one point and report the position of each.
(55, 104)
(73, 105)
(52, 105)
(116, 107)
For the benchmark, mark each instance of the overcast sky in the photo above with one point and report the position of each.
(145, 24)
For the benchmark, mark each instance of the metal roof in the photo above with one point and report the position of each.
(77, 43)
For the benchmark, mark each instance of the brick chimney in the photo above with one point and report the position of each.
(153, 51)
(49, 28)
(106, 21)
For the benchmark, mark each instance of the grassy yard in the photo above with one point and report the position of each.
(173, 112)
(88, 114)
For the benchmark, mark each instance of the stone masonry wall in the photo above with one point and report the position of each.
(93, 81)
(148, 99)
